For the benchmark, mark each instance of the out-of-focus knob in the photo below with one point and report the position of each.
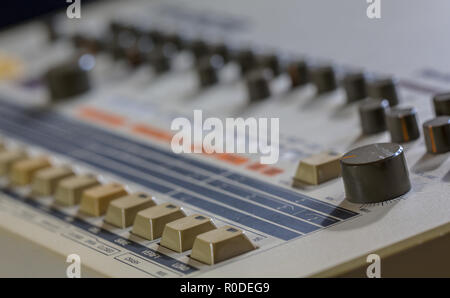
(323, 77)
(221, 50)
(207, 73)
(402, 124)
(159, 59)
(355, 86)
(298, 72)
(375, 173)
(372, 115)
(437, 134)
(270, 62)
(67, 80)
(246, 60)
(257, 86)
(384, 89)
(441, 104)
(199, 48)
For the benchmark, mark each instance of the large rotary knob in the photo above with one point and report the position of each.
(375, 173)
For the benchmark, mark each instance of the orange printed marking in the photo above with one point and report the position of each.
(231, 158)
(101, 116)
(405, 131)
(433, 142)
(256, 166)
(350, 156)
(152, 132)
(273, 171)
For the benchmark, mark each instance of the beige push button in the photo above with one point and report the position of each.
(150, 223)
(319, 168)
(69, 190)
(179, 235)
(8, 157)
(22, 171)
(45, 180)
(95, 200)
(221, 244)
(122, 212)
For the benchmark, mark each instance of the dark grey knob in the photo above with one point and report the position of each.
(299, 73)
(384, 89)
(221, 50)
(270, 62)
(159, 59)
(402, 124)
(372, 115)
(246, 60)
(257, 86)
(375, 173)
(437, 134)
(207, 72)
(355, 86)
(441, 104)
(66, 80)
(174, 40)
(199, 48)
(323, 77)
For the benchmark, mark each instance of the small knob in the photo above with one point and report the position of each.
(402, 124)
(384, 89)
(441, 104)
(66, 80)
(257, 85)
(270, 62)
(437, 134)
(207, 73)
(372, 116)
(159, 59)
(375, 173)
(174, 40)
(198, 48)
(298, 72)
(324, 79)
(246, 60)
(355, 86)
(221, 50)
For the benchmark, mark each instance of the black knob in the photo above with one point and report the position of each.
(375, 173)
(207, 72)
(124, 42)
(298, 72)
(257, 86)
(355, 86)
(437, 134)
(372, 115)
(159, 59)
(384, 89)
(88, 44)
(246, 60)
(199, 48)
(270, 62)
(402, 124)
(174, 40)
(323, 77)
(67, 80)
(221, 50)
(441, 104)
